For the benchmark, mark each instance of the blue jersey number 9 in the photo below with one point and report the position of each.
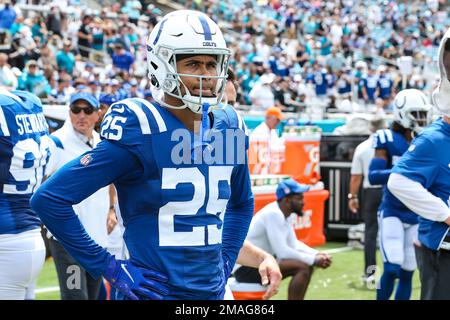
(28, 165)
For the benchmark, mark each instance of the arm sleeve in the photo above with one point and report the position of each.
(378, 172)
(281, 243)
(54, 162)
(73, 183)
(417, 198)
(414, 174)
(238, 214)
(357, 166)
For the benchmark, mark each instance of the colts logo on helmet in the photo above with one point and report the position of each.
(209, 44)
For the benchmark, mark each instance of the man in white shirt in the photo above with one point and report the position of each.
(7, 78)
(272, 230)
(261, 95)
(364, 153)
(76, 137)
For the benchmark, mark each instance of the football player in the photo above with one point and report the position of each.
(24, 153)
(397, 223)
(183, 185)
(421, 180)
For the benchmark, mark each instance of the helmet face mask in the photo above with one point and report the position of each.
(412, 109)
(182, 33)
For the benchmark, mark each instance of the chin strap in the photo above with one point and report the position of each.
(199, 140)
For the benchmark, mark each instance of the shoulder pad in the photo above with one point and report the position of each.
(128, 119)
(57, 141)
(382, 138)
(231, 117)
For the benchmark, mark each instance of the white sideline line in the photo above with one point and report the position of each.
(45, 290)
(338, 250)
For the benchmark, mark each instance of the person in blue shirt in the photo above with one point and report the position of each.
(121, 58)
(7, 16)
(319, 79)
(421, 180)
(369, 86)
(24, 155)
(180, 169)
(397, 223)
(385, 85)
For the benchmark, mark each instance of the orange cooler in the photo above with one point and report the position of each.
(302, 154)
(309, 227)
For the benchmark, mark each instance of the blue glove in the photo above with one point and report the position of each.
(136, 283)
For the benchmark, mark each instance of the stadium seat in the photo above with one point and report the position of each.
(246, 291)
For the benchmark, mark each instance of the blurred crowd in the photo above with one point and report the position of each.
(338, 55)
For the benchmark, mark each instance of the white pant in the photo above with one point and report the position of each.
(22, 257)
(397, 242)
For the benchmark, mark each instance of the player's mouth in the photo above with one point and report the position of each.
(203, 93)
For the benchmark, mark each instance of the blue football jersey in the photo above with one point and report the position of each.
(427, 161)
(385, 85)
(395, 145)
(320, 82)
(173, 204)
(24, 153)
(370, 83)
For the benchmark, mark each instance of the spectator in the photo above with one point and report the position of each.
(7, 16)
(54, 21)
(262, 95)
(335, 61)
(85, 36)
(7, 78)
(33, 80)
(61, 94)
(122, 59)
(65, 59)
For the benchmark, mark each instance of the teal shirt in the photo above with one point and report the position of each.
(36, 84)
(65, 61)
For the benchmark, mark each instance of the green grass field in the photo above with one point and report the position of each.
(342, 281)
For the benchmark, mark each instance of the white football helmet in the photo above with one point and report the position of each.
(412, 109)
(186, 32)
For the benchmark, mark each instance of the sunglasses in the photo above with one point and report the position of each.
(76, 110)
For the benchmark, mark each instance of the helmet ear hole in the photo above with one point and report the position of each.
(154, 81)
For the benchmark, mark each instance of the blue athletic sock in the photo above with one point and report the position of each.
(387, 281)
(404, 287)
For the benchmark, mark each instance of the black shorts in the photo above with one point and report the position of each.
(247, 275)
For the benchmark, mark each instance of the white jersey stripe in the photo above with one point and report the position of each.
(389, 135)
(381, 136)
(242, 125)
(143, 121)
(3, 124)
(159, 120)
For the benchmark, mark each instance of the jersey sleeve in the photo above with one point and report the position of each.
(381, 139)
(55, 161)
(4, 130)
(240, 207)
(70, 185)
(124, 124)
(419, 163)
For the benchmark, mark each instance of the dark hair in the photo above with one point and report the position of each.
(397, 127)
(232, 77)
(447, 45)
